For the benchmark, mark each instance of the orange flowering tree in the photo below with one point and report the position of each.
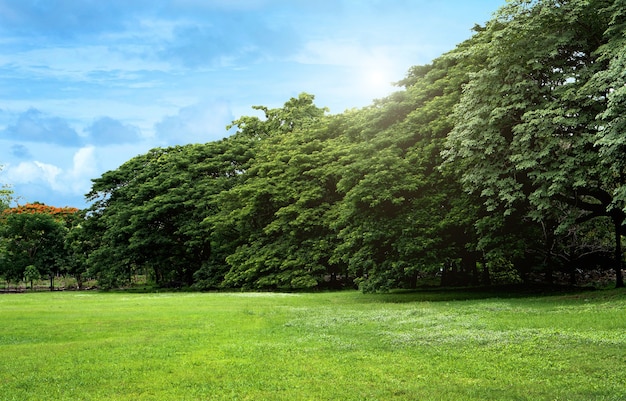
(34, 235)
(59, 213)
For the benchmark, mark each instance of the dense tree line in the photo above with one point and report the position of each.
(501, 161)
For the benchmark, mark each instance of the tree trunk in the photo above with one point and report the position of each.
(572, 275)
(547, 259)
(469, 262)
(486, 277)
(619, 278)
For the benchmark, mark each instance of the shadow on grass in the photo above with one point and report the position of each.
(440, 294)
(432, 294)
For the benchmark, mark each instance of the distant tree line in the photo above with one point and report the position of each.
(36, 242)
(503, 160)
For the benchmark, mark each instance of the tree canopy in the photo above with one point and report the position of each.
(528, 126)
(33, 240)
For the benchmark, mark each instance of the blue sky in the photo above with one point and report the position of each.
(86, 85)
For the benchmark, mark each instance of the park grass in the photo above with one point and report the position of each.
(324, 346)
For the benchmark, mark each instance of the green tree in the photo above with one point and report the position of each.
(32, 239)
(527, 124)
(610, 85)
(78, 245)
(148, 213)
(276, 218)
(5, 197)
(403, 214)
(31, 273)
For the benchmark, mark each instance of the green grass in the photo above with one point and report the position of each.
(328, 346)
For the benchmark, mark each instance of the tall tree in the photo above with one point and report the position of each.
(35, 239)
(278, 212)
(610, 85)
(402, 214)
(147, 214)
(527, 125)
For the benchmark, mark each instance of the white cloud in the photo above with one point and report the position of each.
(33, 172)
(199, 123)
(84, 167)
(72, 181)
(106, 130)
(33, 125)
(330, 52)
(78, 63)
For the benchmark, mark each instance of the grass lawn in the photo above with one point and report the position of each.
(327, 346)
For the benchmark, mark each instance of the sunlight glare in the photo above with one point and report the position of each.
(376, 81)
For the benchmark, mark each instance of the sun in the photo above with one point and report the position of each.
(376, 81)
(377, 78)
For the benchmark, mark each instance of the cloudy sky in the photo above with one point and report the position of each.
(87, 84)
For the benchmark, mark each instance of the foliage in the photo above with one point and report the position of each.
(64, 214)
(152, 208)
(280, 208)
(402, 214)
(31, 273)
(31, 239)
(527, 125)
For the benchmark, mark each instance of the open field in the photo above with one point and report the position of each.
(328, 346)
